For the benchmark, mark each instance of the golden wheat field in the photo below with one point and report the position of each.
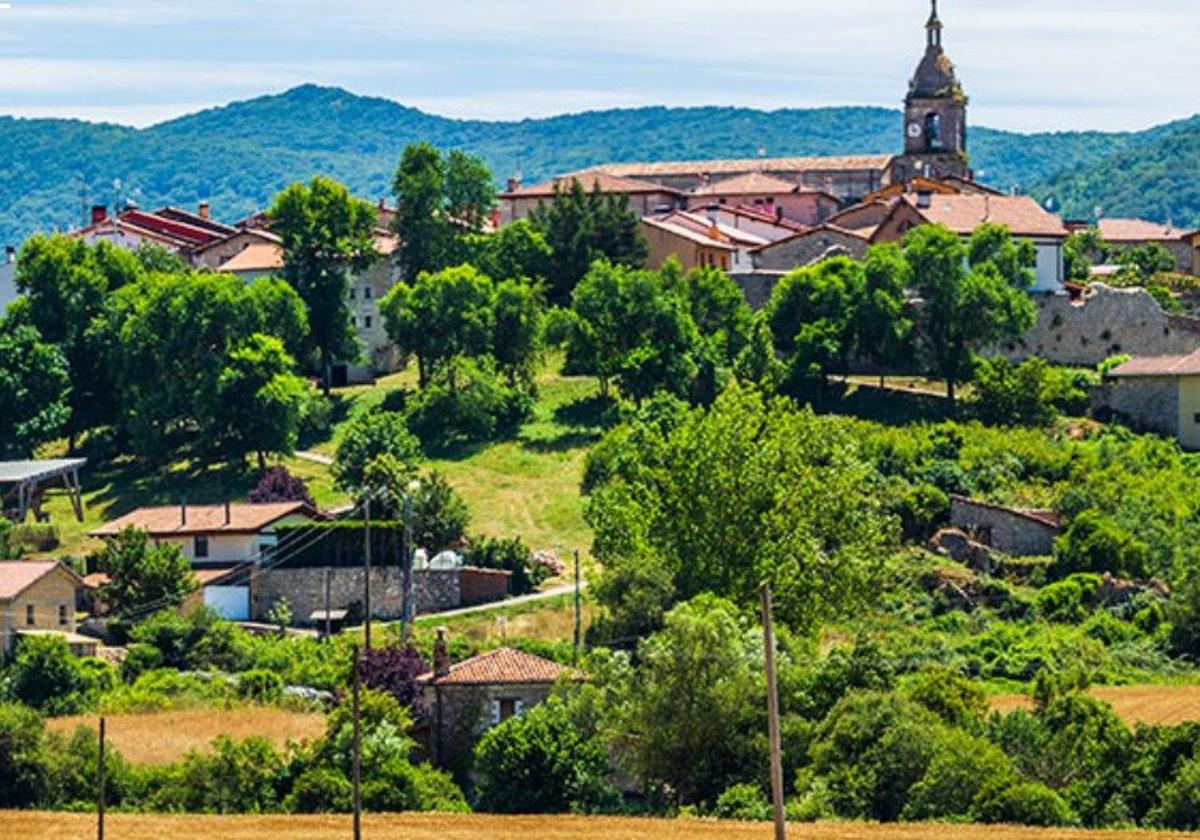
(479, 827)
(1161, 704)
(163, 737)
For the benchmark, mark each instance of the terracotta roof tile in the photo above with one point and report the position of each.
(18, 575)
(591, 180)
(750, 183)
(1138, 230)
(688, 232)
(257, 256)
(964, 213)
(739, 166)
(1159, 366)
(504, 666)
(204, 519)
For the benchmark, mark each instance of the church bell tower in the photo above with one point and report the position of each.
(935, 115)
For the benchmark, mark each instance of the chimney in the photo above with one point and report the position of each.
(228, 513)
(99, 213)
(10, 254)
(924, 199)
(441, 655)
(513, 184)
(495, 218)
(382, 203)
(183, 511)
(205, 210)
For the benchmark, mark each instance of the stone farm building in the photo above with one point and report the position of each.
(39, 598)
(1017, 532)
(1158, 394)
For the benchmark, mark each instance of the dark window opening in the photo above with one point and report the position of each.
(201, 547)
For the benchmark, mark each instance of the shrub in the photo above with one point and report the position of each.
(26, 539)
(542, 762)
(278, 485)
(1062, 602)
(394, 671)
(511, 555)
(1026, 803)
(1179, 803)
(468, 401)
(367, 437)
(319, 791)
(46, 676)
(962, 768)
(139, 659)
(23, 774)
(1097, 544)
(264, 687)
(743, 802)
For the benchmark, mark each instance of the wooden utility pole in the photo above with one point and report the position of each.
(578, 611)
(407, 608)
(100, 793)
(328, 620)
(356, 771)
(773, 716)
(367, 575)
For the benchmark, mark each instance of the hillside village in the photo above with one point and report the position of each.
(525, 468)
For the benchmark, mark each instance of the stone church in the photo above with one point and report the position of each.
(935, 147)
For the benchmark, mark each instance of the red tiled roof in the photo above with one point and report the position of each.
(257, 256)
(18, 575)
(204, 519)
(686, 231)
(1138, 230)
(964, 213)
(171, 227)
(504, 666)
(590, 181)
(1159, 366)
(749, 183)
(195, 220)
(738, 166)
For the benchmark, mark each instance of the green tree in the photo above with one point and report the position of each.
(328, 234)
(470, 190)
(143, 578)
(283, 316)
(688, 727)
(967, 307)
(812, 317)
(629, 327)
(1082, 250)
(23, 773)
(368, 436)
(747, 491)
(581, 228)
(35, 391)
(517, 331)
(420, 223)
(883, 324)
(1143, 262)
(46, 676)
(719, 310)
(65, 283)
(518, 251)
(262, 401)
(441, 316)
(542, 762)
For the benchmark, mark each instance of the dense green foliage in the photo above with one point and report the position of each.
(274, 140)
(143, 578)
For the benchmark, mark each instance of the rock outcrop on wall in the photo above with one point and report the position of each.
(1105, 322)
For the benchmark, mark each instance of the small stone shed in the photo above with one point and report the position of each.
(1014, 531)
(1158, 394)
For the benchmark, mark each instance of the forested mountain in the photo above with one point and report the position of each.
(240, 155)
(1154, 180)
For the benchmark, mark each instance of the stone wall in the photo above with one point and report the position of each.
(460, 715)
(1008, 530)
(808, 247)
(435, 590)
(1149, 404)
(1105, 322)
(757, 286)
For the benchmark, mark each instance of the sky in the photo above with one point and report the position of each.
(1028, 65)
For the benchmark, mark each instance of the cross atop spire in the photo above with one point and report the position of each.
(934, 27)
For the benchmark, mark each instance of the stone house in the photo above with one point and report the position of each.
(39, 598)
(1183, 245)
(463, 701)
(1158, 394)
(668, 237)
(645, 198)
(808, 247)
(1014, 531)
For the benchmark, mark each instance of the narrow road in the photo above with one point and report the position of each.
(565, 589)
(315, 457)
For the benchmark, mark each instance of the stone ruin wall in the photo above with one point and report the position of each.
(1105, 322)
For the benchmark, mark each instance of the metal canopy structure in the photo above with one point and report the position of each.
(24, 483)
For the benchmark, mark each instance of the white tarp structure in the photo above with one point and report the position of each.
(23, 483)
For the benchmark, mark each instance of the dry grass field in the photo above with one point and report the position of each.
(163, 737)
(447, 827)
(1160, 704)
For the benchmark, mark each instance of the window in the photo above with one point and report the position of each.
(62, 615)
(1196, 419)
(366, 292)
(367, 321)
(201, 547)
(933, 130)
(30, 617)
(508, 708)
(353, 293)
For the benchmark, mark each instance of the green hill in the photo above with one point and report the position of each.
(238, 156)
(1154, 180)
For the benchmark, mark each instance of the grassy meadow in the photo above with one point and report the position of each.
(472, 827)
(526, 487)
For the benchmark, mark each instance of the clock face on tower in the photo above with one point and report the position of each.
(914, 130)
